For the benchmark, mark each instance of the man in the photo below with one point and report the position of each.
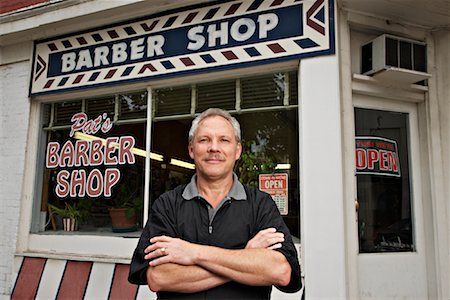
(215, 238)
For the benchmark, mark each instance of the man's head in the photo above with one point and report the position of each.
(214, 143)
(211, 112)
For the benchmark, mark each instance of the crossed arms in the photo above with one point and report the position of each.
(189, 267)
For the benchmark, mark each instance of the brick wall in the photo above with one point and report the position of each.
(11, 5)
(14, 113)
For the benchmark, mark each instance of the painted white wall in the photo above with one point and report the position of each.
(14, 110)
(322, 215)
(439, 123)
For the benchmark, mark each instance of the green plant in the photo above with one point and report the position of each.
(128, 199)
(79, 211)
(253, 163)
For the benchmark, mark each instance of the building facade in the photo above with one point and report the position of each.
(344, 107)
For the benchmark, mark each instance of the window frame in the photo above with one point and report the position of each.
(101, 247)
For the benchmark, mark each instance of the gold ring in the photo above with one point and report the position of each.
(163, 250)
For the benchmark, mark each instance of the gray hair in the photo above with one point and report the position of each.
(212, 112)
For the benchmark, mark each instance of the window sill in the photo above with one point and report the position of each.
(85, 246)
(82, 246)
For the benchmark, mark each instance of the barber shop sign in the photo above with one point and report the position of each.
(217, 36)
(87, 165)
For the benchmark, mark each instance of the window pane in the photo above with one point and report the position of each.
(173, 101)
(270, 145)
(92, 168)
(269, 139)
(133, 106)
(164, 175)
(383, 183)
(64, 112)
(97, 107)
(217, 94)
(262, 91)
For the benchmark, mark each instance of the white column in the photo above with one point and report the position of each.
(321, 171)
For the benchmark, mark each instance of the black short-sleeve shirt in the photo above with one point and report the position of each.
(233, 225)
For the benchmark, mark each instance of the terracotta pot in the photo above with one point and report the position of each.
(70, 224)
(120, 222)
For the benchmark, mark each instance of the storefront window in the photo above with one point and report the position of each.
(93, 150)
(93, 165)
(383, 181)
(265, 106)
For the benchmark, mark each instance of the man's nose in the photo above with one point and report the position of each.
(214, 145)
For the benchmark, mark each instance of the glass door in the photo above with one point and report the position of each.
(383, 181)
(392, 258)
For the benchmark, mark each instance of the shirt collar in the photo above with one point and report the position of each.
(237, 191)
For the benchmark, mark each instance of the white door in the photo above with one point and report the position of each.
(391, 259)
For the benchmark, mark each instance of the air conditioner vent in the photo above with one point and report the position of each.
(394, 58)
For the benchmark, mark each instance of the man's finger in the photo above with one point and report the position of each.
(159, 261)
(276, 246)
(275, 240)
(161, 238)
(268, 230)
(155, 246)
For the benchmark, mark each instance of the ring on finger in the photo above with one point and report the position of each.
(163, 250)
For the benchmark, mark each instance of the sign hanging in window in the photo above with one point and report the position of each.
(276, 185)
(223, 35)
(377, 156)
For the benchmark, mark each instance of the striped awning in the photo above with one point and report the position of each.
(44, 278)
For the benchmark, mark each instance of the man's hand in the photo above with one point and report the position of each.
(166, 249)
(267, 238)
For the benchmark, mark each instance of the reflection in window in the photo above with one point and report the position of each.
(269, 134)
(266, 106)
(93, 167)
(383, 183)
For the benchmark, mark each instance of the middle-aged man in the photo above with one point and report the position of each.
(215, 238)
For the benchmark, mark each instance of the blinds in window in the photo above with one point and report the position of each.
(64, 112)
(172, 101)
(133, 106)
(218, 94)
(279, 89)
(293, 88)
(99, 106)
(262, 91)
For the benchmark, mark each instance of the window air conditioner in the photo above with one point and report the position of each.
(394, 58)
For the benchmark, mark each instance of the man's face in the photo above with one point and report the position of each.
(214, 148)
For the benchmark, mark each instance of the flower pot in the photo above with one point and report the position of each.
(120, 222)
(70, 224)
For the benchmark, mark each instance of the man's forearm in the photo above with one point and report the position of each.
(247, 266)
(173, 277)
(260, 266)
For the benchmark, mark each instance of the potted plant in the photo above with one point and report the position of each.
(124, 210)
(71, 215)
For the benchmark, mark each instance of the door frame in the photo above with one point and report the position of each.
(419, 257)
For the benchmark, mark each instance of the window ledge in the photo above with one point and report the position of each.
(81, 247)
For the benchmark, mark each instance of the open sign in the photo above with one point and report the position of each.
(377, 156)
(277, 186)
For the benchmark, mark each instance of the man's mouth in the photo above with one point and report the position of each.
(214, 159)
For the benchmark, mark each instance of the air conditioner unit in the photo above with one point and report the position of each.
(393, 58)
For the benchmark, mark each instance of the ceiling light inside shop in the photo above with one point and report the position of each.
(283, 167)
(134, 150)
(183, 164)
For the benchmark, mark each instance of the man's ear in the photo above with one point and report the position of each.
(191, 151)
(239, 150)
